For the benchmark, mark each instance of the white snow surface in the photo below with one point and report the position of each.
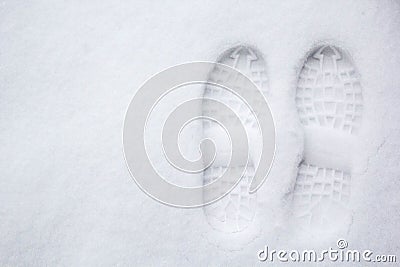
(68, 71)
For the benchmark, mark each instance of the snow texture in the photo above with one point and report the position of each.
(68, 71)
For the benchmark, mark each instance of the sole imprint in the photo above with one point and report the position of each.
(329, 103)
(236, 211)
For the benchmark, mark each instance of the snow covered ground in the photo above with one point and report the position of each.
(68, 71)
